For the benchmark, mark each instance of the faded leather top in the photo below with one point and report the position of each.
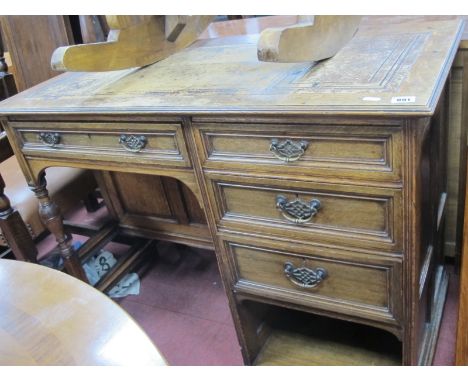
(396, 68)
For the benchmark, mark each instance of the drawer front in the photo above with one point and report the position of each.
(360, 152)
(365, 217)
(122, 142)
(362, 287)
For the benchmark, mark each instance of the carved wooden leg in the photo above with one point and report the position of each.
(14, 230)
(53, 220)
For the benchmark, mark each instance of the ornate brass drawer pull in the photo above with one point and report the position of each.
(304, 277)
(297, 211)
(49, 139)
(287, 150)
(133, 143)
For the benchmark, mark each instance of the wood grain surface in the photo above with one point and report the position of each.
(50, 318)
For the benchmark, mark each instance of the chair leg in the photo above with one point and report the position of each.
(51, 217)
(14, 230)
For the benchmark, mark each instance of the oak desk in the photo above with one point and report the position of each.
(322, 184)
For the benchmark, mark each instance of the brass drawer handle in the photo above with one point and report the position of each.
(287, 150)
(49, 139)
(297, 211)
(304, 277)
(133, 143)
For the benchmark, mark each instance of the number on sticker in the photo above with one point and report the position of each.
(404, 99)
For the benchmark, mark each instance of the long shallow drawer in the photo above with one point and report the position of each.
(159, 143)
(364, 286)
(370, 152)
(343, 215)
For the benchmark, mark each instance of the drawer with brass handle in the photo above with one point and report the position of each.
(133, 143)
(287, 150)
(344, 215)
(157, 143)
(304, 277)
(130, 142)
(297, 211)
(367, 285)
(49, 139)
(368, 152)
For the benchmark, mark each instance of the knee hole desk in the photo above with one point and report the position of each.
(320, 186)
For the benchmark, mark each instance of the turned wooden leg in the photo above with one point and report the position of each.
(53, 220)
(14, 230)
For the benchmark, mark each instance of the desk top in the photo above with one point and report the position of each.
(50, 318)
(394, 67)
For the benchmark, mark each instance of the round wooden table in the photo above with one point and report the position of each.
(50, 318)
